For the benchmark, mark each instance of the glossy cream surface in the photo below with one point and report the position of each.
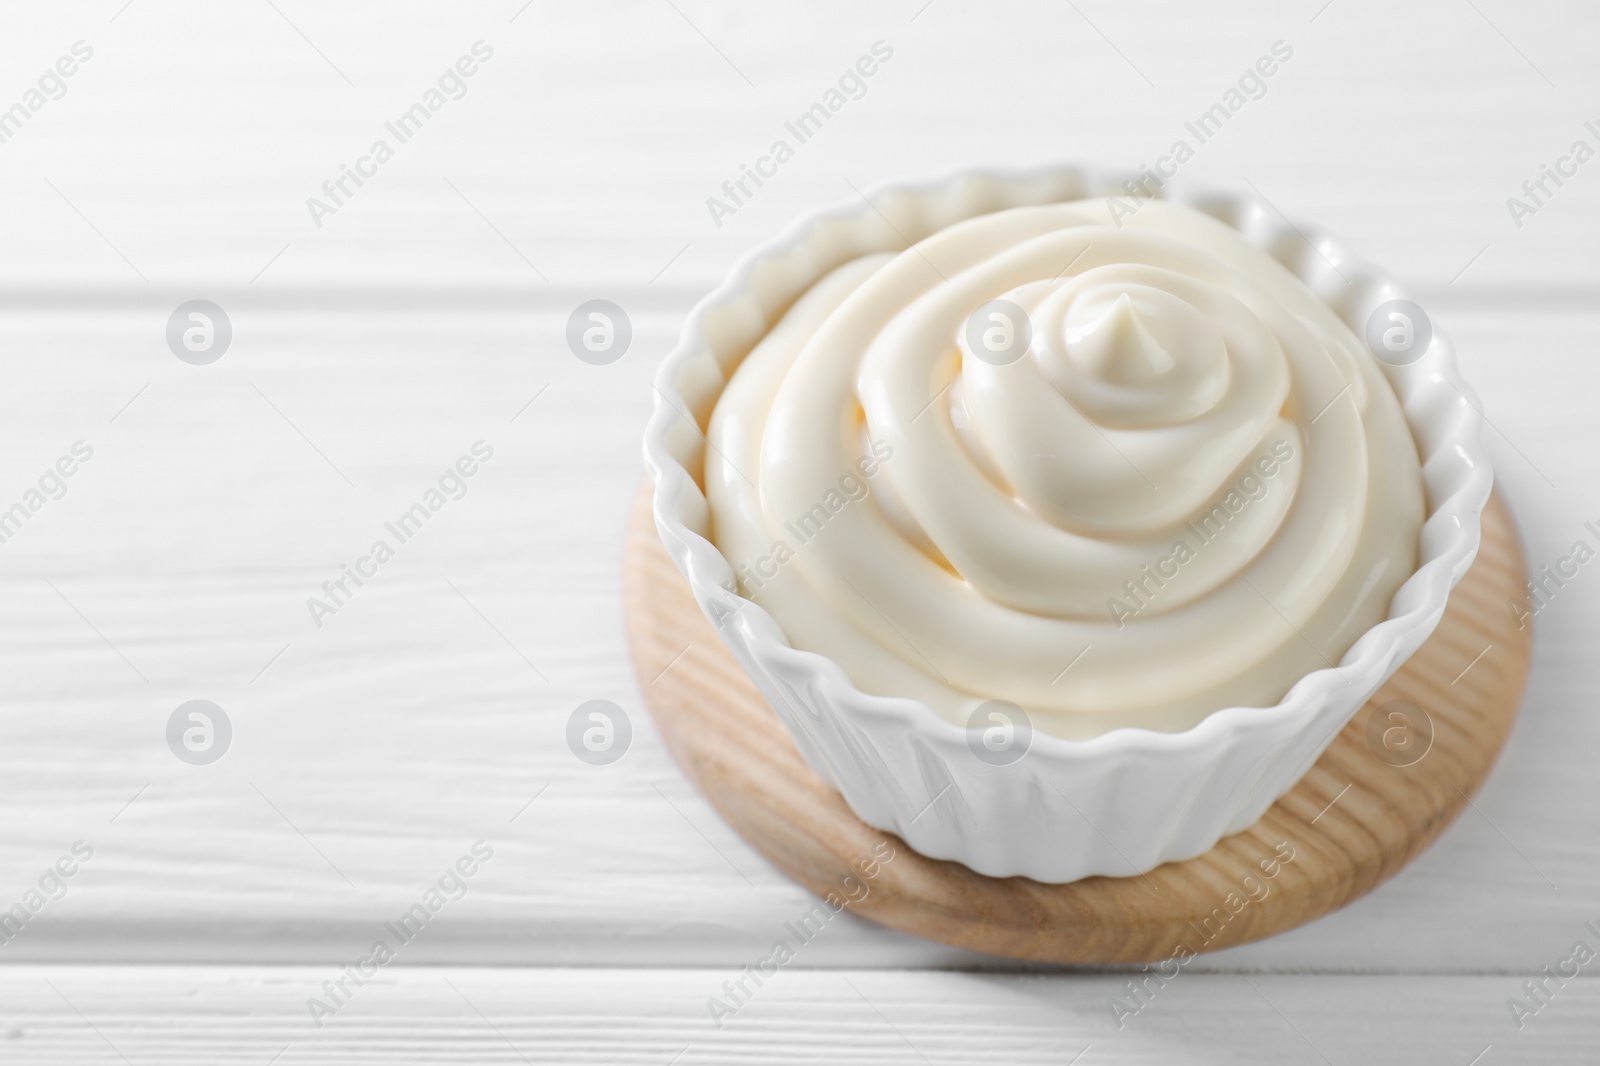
(1192, 488)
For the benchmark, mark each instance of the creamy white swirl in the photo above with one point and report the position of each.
(1193, 487)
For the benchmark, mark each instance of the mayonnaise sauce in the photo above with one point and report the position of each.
(1190, 489)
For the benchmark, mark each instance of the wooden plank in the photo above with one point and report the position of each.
(225, 1015)
(406, 728)
(589, 145)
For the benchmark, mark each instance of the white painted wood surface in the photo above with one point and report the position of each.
(230, 1015)
(424, 315)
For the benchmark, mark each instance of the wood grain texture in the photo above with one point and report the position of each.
(1353, 822)
(452, 1016)
(194, 137)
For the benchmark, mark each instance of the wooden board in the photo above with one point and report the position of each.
(1353, 822)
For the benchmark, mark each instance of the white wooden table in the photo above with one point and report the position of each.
(429, 712)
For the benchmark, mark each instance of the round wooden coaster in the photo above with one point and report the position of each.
(1350, 824)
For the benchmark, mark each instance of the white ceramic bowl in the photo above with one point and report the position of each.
(1128, 800)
